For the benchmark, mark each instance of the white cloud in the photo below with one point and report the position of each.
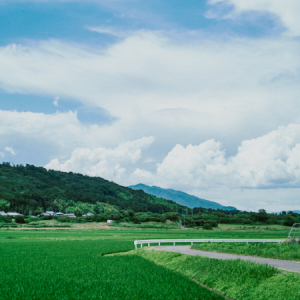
(105, 162)
(155, 86)
(287, 11)
(270, 161)
(10, 150)
(110, 30)
(55, 102)
(197, 93)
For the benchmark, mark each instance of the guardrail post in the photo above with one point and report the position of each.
(173, 243)
(192, 243)
(159, 244)
(148, 244)
(141, 245)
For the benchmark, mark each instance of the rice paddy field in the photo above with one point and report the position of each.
(101, 264)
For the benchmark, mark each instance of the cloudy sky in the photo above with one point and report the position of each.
(200, 96)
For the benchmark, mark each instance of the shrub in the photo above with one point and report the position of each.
(5, 219)
(19, 219)
(206, 226)
(63, 219)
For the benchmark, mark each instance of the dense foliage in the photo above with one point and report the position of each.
(34, 189)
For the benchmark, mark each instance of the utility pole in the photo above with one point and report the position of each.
(281, 223)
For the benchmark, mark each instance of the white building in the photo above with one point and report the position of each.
(49, 212)
(13, 214)
(59, 214)
(109, 221)
(71, 215)
(3, 213)
(89, 214)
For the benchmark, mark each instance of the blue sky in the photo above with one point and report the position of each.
(199, 96)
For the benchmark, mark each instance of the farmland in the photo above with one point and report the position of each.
(76, 269)
(72, 264)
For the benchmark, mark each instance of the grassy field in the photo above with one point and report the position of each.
(67, 269)
(69, 264)
(243, 280)
(288, 251)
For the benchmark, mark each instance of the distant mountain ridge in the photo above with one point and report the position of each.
(180, 197)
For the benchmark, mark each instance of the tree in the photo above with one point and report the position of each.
(4, 205)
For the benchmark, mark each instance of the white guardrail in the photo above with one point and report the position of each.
(174, 241)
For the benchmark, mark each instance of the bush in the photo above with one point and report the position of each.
(63, 219)
(206, 226)
(46, 217)
(5, 219)
(19, 219)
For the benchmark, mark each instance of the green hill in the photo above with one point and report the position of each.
(180, 197)
(28, 188)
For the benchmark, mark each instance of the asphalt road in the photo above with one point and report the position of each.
(286, 265)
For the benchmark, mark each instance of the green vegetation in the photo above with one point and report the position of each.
(76, 269)
(288, 250)
(34, 189)
(238, 279)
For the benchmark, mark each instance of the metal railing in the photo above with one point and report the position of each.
(174, 241)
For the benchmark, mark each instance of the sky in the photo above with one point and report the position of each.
(198, 96)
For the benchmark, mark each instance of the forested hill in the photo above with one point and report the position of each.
(180, 197)
(32, 189)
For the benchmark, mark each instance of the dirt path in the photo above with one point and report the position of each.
(286, 265)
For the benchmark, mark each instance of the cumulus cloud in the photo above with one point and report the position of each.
(155, 86)
(269, 161)
(287, 11)
(105, 162)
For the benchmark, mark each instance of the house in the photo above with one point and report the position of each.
(3, 213)
(59, 214)
(109, 221)
(50, 213)
(71, 215)
(45, 214)
(13, 214)
(89, 214)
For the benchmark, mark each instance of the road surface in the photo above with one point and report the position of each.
(286, 265)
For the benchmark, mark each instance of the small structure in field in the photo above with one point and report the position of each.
(71, 215)
(109, 221)
(89, 214)
(13, 214)
(59, 214)
(49, 212)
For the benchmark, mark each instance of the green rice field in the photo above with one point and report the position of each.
(101, 264)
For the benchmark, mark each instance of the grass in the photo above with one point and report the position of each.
(238, 279)
(287, 251)
(69, 264)
(77, 270)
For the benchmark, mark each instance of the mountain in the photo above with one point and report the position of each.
(31, 189)
(180, 197)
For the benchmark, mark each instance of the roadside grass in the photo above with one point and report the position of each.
(77, 270)
(237, 279)
(122, 233)
(287, 251)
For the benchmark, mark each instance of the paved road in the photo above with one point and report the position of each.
(286, 265)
